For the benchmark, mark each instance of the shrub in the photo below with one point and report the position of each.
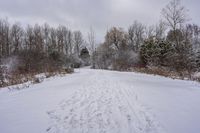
(196, 76)
(32, 61)
(69, 70)
(155, 52)
(125, 59)
(56, 60)
(2, 76)
(37, 81)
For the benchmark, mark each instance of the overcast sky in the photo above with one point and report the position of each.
(83, 14)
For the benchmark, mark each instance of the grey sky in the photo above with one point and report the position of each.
(83, 14)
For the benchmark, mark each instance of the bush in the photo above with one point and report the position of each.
(69, 70)
(75, 61)
(125, 59)
(24, 65)
(56, 61)
(37, 81)
(32, 61)
(2, 76)
(196, 76)
(155, 52)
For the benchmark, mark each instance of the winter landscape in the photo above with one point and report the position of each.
(130, 66)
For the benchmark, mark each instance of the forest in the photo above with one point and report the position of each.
(169, 48)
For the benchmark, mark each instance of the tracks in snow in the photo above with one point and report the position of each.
(102, 104)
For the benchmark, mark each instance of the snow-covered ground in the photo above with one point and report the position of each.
(98, 101)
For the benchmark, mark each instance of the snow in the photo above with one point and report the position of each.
(99, 101)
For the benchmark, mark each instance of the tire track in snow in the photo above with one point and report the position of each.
(101, 105)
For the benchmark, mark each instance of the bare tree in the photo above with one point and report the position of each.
(160, 30)
(46, 32)
(150, 32)
(38, 38)
(175, 14)
(61, 34)
(92, 45)
(69, 42)
(29, 37)
(136, 35)
(78, 42)
(16, 37)
(91, 40)
(117, 38)
(196, 36)
(4, 37)
(53, 41)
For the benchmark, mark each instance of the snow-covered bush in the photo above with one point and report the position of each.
(74, 61)
(125, 60)
(196, 76)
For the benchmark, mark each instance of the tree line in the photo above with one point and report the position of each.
(44, 41)
(172, 44)
(39, 49)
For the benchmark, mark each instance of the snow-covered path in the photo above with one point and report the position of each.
(97, 101)
(102, 104)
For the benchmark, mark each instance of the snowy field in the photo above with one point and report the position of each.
(97, 101)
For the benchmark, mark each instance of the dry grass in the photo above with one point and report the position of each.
(17, 78)
(163, 72)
